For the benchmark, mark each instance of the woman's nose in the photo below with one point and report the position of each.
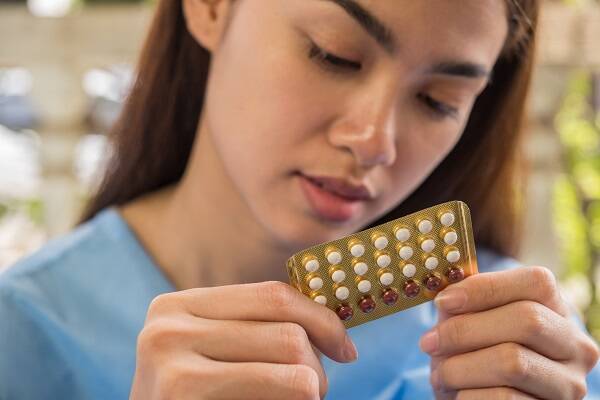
(372, 140)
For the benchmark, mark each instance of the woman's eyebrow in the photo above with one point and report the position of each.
(381, 33)
(460, 69)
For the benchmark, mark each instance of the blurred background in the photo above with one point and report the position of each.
(66, 65)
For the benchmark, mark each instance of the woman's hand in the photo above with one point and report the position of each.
(507, 335)
(237, 342)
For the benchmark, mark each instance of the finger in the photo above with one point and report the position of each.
(252, 380)
(268, 301)
(499, 393)
(250, 341)
(509, 364)
(525, 322)
(493, 289)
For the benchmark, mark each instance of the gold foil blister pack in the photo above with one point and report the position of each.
(390, 267)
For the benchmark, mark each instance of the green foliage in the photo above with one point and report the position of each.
(33, 208)
(570, 226)
(576, 200)
(592, 318)
(594, 228)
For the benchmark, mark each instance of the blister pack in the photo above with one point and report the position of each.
(389, 267)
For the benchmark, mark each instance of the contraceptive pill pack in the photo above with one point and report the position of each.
(389, 267)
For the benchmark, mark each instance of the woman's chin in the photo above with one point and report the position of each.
(300, 231)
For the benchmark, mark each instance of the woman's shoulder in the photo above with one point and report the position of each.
(82, 296)
(98, 262)
(67, 254)
(44, 299)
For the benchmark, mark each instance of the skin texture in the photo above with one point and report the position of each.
(239, 212)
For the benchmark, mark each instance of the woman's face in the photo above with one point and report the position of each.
(367, 97)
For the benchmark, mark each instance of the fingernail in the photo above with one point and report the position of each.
(429, 342)
(435, 380)
(451, 299)
(350, 351)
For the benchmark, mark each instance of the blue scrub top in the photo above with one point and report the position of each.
(71, 312)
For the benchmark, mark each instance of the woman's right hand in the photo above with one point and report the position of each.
(251, 341)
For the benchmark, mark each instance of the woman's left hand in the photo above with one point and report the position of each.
(508, 335)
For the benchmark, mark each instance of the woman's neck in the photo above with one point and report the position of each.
(201, 233)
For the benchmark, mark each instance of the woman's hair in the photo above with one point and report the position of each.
(155, 132)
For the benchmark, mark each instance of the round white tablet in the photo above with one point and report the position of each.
(383, 260)
(334, 257)
(450, 237)
(386, 278)
(321, 299)
(360, 268)
(427, 245)
(342, 293)
(338, 276)
(431, 263)
(364, 286)
(447, 219)
(357, 250)
(425, 226)
(453, 256)
(311, 266)
(405, 252)
(402, 234)
(409, 270)
(381, 242)
(315, 283)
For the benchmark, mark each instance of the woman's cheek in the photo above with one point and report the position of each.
(417, 157)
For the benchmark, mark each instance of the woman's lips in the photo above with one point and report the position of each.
(328, 205)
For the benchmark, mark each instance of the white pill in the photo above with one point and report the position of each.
(405, 252)
(311, 266)
(431, 263)
(357, 250)
(425, 226)
(381, 242)
(447, 219)
(450, 238)
(364, 286)
(321, 299)
(409, 270)
(342, 293)
(402, 234)
(453, 256)
(383, 260)
(386, 278)
(338, 276)
(315, 283)
(360, 268)
(334, 258)
(428, 245)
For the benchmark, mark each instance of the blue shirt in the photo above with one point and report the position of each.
(70, 315)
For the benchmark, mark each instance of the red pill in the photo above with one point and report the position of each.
(411, 288)
(455, 274)
(433, 282)
(390, 296)
(345, 312)
(366, 304)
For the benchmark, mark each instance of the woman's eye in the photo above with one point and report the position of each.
(440, 108)
(330, 60)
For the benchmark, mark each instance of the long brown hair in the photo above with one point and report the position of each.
(155, 132)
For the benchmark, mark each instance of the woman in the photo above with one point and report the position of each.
(256, 129)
